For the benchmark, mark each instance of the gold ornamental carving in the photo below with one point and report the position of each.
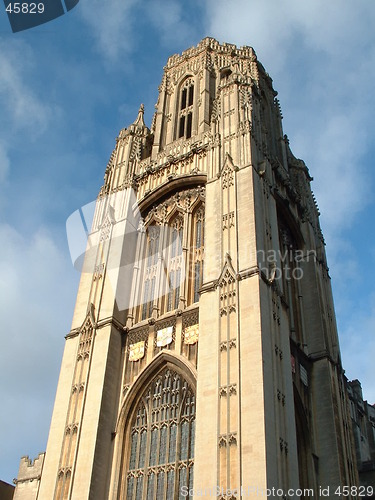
(137, 351)
(191, 334)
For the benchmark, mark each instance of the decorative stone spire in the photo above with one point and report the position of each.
(138, 127)
(139, 122)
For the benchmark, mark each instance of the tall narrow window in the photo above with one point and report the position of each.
(148, 296)
(161, 440)
(175, 264)
(185, 115)
(290, 274)
(183, 98)
(198, 254)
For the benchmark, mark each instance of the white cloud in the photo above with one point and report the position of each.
(37, 289)
(23, 110)
(331, 27)
(111, 25)
(23, 106)
(167, 16)
(4, 162)
(118, 29)
(334, 150)
(272, 26)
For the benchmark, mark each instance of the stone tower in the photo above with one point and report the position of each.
(203, 352)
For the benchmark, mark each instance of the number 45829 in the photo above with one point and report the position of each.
(25, 8)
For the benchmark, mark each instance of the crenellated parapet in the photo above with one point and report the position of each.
(28, 479)
(30, 469)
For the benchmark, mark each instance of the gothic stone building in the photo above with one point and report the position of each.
(203, 353)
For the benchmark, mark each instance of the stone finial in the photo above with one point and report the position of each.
(139, 122)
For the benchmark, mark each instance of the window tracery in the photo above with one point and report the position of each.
(161, 436)
(172, 255)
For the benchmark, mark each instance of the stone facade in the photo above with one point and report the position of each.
(203, 352)
(363, 421)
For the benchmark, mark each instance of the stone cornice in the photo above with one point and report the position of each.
(248, 273)
(100, 324)
(110, 321)
(169, 159)
(324, 355)
(73, 333)
(27, 479)
(210, 45)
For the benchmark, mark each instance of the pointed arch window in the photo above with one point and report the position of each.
(169, 274)
(185, 115)
(161, 440)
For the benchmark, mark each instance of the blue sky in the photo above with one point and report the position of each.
(69, 86)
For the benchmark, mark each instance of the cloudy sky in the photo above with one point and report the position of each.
(68, 87)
